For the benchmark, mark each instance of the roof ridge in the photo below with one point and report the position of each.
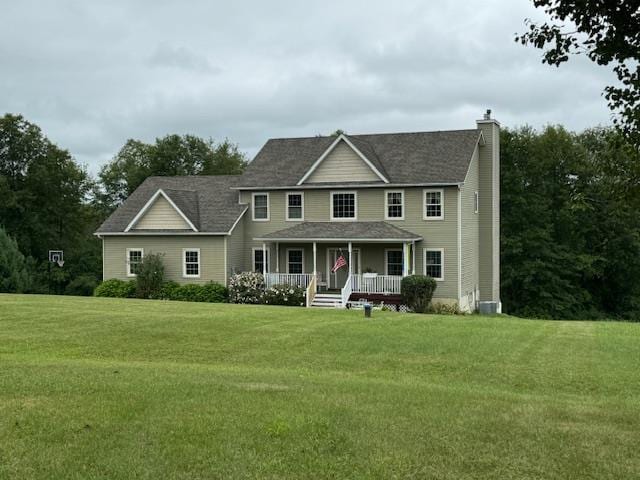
(416, 132)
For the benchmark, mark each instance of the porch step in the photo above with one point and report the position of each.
(330, 300)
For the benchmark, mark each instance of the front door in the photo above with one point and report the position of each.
(337, 280)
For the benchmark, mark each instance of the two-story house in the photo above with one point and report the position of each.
(390, 204)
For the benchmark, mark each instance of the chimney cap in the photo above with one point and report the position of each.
(487, 115)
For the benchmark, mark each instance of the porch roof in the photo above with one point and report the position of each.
(341, 231)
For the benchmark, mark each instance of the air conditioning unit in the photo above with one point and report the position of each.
(488, 308)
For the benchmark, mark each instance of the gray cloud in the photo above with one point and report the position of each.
(94, 74)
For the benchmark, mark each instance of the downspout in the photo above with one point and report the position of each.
(459, 247)
(226, 271)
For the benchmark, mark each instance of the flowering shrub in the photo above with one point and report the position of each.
(246, 287)
(284, 295)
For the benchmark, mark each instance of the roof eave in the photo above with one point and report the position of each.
(346, 239)
(311, 186)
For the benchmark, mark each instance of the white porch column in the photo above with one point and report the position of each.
(405, 259)
(413, 257)
(277, 257)
(350, 259)
(264, 259)
(315, 259)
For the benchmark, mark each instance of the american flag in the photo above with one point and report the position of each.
(340, 262)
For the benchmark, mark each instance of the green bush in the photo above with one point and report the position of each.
(246, 287)
(116, 288)
(168, 291)
(284, 295)
(417, 291)
(84, 285)
(210, 292)
(150, 276)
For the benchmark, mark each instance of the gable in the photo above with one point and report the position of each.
(161, 215)
(342, 164)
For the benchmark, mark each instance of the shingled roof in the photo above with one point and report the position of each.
(371, 231)
(441, 157)
(207, 201)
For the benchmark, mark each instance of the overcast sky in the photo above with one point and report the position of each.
(93, 74)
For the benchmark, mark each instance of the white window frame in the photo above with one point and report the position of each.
(253, 207)
(253, 258)
(128, 260)
(386, 205)
(184, 263)
(424, 262)
(286, 206)
(295, 250)
(386, 259)
(355, 206)
(476, 202)
(424, 203)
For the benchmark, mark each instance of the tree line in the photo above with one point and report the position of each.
(570, 228)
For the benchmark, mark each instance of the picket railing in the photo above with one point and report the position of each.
(293, 279)
(385, 284)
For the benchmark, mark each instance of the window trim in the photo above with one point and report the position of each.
(286, 206)
(295, 249)
(386, 259)
(386, 204)
(424, 203)
(355, 206)
(476, 202)
(253, 258)
(253, 207)
(184, 263)
(424, 262)
(128, 259)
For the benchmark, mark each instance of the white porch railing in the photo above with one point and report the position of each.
(346, 291)
(311, 291)
(386, 284)
(293, 279)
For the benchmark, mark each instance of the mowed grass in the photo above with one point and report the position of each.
(121, 389)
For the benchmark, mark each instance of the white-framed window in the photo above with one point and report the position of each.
(258, 259)
(393, 261)
(394, 205)
(191, 262)
(433, 204)
(295, 206)
(134, 258)
(295, 260)
(434, 263)
(260, 203)
(344, 206)
(476, 202)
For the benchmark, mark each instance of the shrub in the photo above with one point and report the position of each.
(210, 292)
(83, 285)
(168, 291)
(150, 276)
(417, 291)
(284, 295)
(246, 287)
(116, 288)
(445, 308)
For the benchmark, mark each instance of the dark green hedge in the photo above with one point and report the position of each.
(211, 292)
(417, 291)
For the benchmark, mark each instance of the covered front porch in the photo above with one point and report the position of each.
(377, 256)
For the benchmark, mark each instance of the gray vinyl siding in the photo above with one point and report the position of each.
(470, 230)
(435, 233)
(161, 216)
(211, 255)
(343, 162)
(489, 179)
(236, 261)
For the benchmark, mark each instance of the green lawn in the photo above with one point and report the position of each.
(121, 389)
